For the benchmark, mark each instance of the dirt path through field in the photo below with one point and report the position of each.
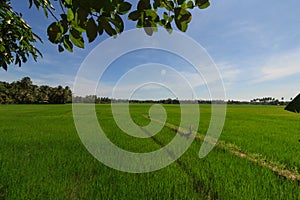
(259, 159)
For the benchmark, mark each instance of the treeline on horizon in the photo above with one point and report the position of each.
(25, 92)
(103, 100)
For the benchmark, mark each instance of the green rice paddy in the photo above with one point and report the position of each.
(42, 157)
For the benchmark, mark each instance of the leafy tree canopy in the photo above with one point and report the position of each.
(25, 92)
(82, 20)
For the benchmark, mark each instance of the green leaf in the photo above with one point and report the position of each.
(60, 48)
(206, 5)
(64, 25)
(76, 38)
(70, 15)
(18, 61)
(143, 5)
(45, 12)
(165, 16)
(184, 26)
(100, 29)
(30, 3)
(4, 66)
(180, 2)
(124, 8)
(169, 5)
(91, 30)
(81, 15)
(67, 43)
(106, 26)
(162, 22)
(37, 4)
(77, 27)
(68, 2)
(156, 4)
(171, 18)
(182, 18)
(202, 4)
(79, 21)
(190, 4)
(135, 15)
(63, 16)
(182, 15)
(152, 15)
(2, 48)
(140, 23)
(186, 18)
(118, 22)
(54, 32)
(169, 27)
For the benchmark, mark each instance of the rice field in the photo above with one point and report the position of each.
(42, 157)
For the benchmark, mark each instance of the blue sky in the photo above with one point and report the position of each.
(255, 45)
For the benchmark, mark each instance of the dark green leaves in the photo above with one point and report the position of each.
(60, 48)
(67, 43)
(97, 17)
(157, 4)
(107, 26)
(143, 5)
(117, 21)
(202, 4)
(76, 38)
(124, 8)
(169, 5)
(94, 17)
(190, 5)
(147, 16)
(135, 15)
(54, 32)
(182, 18)
(16, 38)
(91, 30)
(180, 2)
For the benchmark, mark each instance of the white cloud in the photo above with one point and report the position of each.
(280, 66)
(228, 72)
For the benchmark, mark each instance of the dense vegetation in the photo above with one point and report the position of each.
(42, 156)
(25, 92)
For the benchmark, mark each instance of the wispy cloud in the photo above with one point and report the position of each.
(229, 72)
(280, 66)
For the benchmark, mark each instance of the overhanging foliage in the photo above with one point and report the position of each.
(81, 19)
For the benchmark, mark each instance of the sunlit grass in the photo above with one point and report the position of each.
(42, 157)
